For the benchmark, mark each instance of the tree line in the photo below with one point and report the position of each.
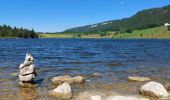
(8, 31)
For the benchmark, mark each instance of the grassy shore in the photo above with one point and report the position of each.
(155, 33)
(72, 35)
(158, 32)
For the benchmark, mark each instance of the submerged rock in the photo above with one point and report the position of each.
(61, 79)
(154, 89)
(96, 75)
(62, 92)
(26, 85)
(27, 72)
(167, 87)
(96, 97)
(125, 98)
(15, 74)
(91, 95)
(78, 79)
(138, 79)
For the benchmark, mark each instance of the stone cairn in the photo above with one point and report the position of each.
(27, 72)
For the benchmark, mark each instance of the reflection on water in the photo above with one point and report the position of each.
(114, 60)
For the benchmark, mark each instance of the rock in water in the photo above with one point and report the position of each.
(154, 89)
(79, 79)
(27, 78)
(27, 85)
(62, 92)
(138, 79)
(167, 87)
(61, 79)
(91, 95)
(27, 72)
(96, 97)
(125, 98)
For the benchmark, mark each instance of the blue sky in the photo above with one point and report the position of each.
(58, 15)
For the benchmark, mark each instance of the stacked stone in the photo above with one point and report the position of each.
(27, 72)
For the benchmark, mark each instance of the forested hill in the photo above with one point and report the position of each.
(142, 20)
(8, 31)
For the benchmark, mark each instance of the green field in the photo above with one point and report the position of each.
(8, 37)
(158, 32)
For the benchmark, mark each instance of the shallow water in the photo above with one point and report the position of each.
(114, 60)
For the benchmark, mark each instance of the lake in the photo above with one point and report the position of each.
(113, 59)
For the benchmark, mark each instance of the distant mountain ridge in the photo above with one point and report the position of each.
(142, 20)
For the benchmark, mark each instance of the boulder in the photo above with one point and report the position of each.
(138, 79)
(153, 89)
(125, 98)
(62, 92)
(96, 97)
(61, 79)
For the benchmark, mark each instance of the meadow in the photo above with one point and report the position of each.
(157, 33)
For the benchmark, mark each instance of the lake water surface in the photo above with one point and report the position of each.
(113, 60)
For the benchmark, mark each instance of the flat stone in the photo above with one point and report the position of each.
(96, 97)
(91, 95)
(138, 79)
(125, 98)
(27, 70)
(27, 78)
(61, 79)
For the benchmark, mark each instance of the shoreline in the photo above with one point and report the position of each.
(93, 38)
